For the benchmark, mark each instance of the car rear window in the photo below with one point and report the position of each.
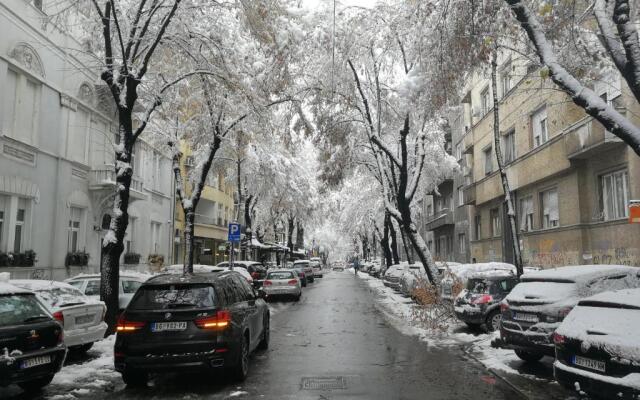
(280, 275)
(130, 286)
(62, 296)
(18, 309)
(477, 286)
(163, 297)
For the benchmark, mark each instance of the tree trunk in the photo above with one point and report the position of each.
(299, 235)
(405, 244)
(290, 226)
(189, 225)
(394, 239)
(423, 253)
(508, 201)
(247, 216)
(384, 242)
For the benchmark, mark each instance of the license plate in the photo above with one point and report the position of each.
(35, 361)
(589, 363)
(84, 319)
(168, 326)
(525, 317)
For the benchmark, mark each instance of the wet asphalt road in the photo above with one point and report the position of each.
(334, 335)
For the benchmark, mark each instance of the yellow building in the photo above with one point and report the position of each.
(213, 213)
(572, 180)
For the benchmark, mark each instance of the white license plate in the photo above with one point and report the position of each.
(525, 317)
(35, 361)
(168, 326)
(589, 363)
(85, 319)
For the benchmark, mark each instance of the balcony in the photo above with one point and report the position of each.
(588, 138)
(469, 194)
(467, 142)
(104, 178)
(440, 219)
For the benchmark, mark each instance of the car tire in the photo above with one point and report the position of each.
(36, 384)
(493, 320)
(529, 356)
(264, 343)
(240, 371)
(297, 298)
(135, 378)
(82, 348)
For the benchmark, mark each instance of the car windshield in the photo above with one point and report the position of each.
(280, 275)
(130, 286)
(17, 309)
(173, 296)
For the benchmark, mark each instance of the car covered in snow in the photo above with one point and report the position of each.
(538, 304)
(205, 269)
(81, 317)
(89, 284)
(255, 269)
(32, 347)
(479, 303)
(597, 346)
(376, 270)
(393, 274)
(455, 276)
(413, 274)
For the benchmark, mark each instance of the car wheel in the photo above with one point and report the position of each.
(135, 378)
(36, 384)
(264, 343)
(241, 369)
(82, 348)
(493, 321)
(529, 356)
(297, 298)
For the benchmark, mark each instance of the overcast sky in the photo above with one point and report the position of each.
(340, 3)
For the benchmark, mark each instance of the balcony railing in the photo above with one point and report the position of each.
(439, 219)
(589, 136)
(469, 194)
(103, 177)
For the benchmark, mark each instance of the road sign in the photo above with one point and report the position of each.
(634, 211)
(234, 233)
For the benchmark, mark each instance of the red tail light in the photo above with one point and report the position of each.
(484, 299)
(558, 339)
(220, 321)
(267, 283)
(293, 282)
(128, 326)
(59, 317)
(504, 306)
(255, 275)
(61, 336)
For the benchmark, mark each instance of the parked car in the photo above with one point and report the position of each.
(204, 269)
(317, 268)
(89, 284)
(479, 303)
(456, 275)
(538, 304)
(256, 269)
(392, 276)
(307, 268)
(282, 283)
(410, 278)
(198, 322)
(33, 348)
(81, 317)
(597, 347)
(299, 269)
(376, 270)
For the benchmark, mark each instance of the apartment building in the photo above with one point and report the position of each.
(214, 211)
(572, 181)
(57, 130)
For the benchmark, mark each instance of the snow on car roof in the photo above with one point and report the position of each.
(203, 269)
(40, 284)
(577, 273)
(625, 297)
(464, 271)
(7, 288)
(123, 274)
(53, 293)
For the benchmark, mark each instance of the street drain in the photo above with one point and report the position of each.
(324, 383)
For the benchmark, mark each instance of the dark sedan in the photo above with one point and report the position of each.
(479, 303)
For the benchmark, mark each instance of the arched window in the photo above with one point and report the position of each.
(106, 221)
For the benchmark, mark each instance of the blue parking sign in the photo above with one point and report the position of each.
(234, 232)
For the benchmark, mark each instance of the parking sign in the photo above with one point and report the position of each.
(234, 232)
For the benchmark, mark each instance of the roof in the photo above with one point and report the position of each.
(167, 279)
(7, 289)
(627, 297)
(40, 284)
(578, 273)
(282, 270)
(197, 268)
(123, 274)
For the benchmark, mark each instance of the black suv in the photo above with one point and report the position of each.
(479, 303)
(191, 322)
(31, 341)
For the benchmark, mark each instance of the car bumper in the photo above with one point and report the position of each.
(78, 337)
(285, 291)
(392, 285)
(593, 383)
(183, 362)
(317, 274)
(526, 340)
(12, 372)
(469, 316)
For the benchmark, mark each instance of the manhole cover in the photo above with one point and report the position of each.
(324, 383)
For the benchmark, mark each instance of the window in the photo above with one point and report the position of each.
(485, 101)
(478, 227)
(549, 207)
(429, 210)
(10, 93)
(430, 245)
(505, 79)
(75, 215)
(495, 222)
(509, 146)
(459, 151)
(2, 205)
(488, 160)
(78, 134)
(460, 196)
(130, 286)
(18, 241)
(462, 243)
(22, 100)
(220, 211)
(131, 233)
(38, 4)
(526, 214)
(226, 216)
(539, 127)
(155, 237)
(614, 192)
(93, 288)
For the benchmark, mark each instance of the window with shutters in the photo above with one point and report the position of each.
(488, 160)
(549, 209)
(539, 127)
(73, 236)
(509, 146)
(495, 222)
(526, 214)
(614, 194)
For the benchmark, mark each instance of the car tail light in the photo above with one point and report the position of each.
(558, 339)
(504, 306)
(484, 299)
(267, 283)
(128, 326)
(293, 282)
(220, 321)
(61, 336)
(255, 275)
(59, 317)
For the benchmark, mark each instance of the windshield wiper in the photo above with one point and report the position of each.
(178, 305)
(37, 317)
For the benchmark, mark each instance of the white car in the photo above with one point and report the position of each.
(89, 284)
(282, 282)
(409, 280)
(317, 268)
(460, 273)
(203, 269)
(393, 274)
(81, 317)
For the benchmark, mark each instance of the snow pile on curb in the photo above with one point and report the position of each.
(93, 374)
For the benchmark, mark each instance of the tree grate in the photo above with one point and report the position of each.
(324, 383)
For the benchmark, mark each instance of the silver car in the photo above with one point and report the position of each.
(129, 283)
(282, 282)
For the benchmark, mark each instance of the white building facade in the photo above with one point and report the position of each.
(57, 131)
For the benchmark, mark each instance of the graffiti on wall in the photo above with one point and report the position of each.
(552, 255)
